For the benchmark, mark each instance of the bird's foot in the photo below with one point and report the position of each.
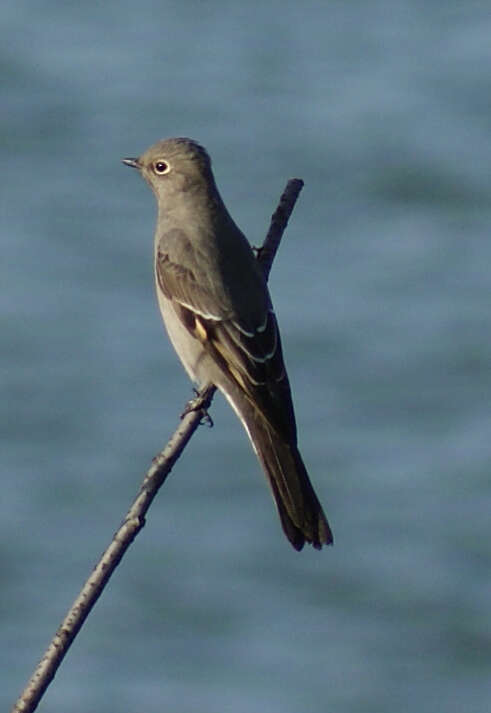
(199, 403)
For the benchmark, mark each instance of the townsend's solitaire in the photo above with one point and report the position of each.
(217, 310)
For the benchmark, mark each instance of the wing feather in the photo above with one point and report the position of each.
(250, 356)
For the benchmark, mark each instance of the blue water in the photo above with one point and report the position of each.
(382, 288)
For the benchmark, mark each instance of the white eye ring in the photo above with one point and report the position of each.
(161, 168)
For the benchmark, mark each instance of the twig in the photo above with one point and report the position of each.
(279, 221)
(135, 519)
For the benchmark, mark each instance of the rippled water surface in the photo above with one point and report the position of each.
(382, 289)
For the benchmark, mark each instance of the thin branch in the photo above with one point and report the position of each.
(135, 519)
(279, 221)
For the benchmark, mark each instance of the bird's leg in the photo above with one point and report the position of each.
(200, 403)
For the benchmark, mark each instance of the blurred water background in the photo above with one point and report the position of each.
(382, 288)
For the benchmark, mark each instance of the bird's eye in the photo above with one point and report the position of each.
(161, 167)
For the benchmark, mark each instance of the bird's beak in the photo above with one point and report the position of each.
(133, 162)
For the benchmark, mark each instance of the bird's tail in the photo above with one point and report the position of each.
(300, 511)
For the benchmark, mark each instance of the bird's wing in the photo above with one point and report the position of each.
(250, 354)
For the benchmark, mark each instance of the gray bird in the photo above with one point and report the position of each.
(218, 312)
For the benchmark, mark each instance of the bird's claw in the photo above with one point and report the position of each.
(197, 404)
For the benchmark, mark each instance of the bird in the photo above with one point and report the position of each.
(216, 307)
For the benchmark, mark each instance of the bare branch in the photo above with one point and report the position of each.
(135, 518)
(279, 221)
